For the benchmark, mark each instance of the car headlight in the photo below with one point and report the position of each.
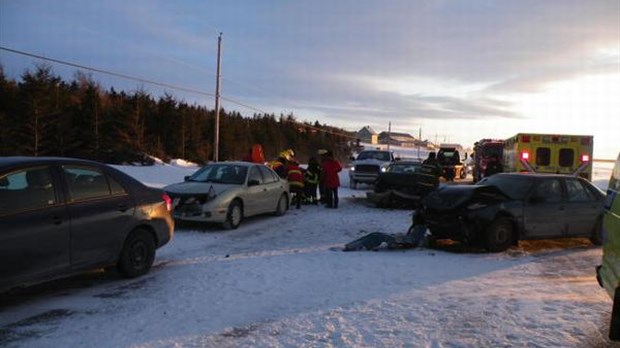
(383, 169)
(352, 169)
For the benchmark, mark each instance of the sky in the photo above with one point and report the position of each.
(454, 71)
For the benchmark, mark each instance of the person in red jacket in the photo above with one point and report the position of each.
(330, 179)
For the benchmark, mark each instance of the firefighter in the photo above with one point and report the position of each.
(279, 164)
(295, 177)
(312, 176)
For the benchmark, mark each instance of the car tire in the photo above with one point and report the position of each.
(597, 233)
(499, 236)
(234, 216)
(282, 206)
(138, 254)
(463, 174)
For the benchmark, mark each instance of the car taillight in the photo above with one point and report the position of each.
(167, 200)
(585, 158)
(525, 155)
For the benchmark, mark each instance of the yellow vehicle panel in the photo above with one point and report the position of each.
(549, 153)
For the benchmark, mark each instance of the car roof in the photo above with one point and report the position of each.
(537, 175)
(11, 161)
(237, 163)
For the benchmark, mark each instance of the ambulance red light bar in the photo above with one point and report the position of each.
(525, 155)
(585, 158)
(525, 138)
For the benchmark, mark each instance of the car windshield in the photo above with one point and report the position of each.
(221, 173)
(515, 186)
(403, 168)
(378, 155)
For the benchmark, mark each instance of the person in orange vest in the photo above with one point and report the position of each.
(295, 177)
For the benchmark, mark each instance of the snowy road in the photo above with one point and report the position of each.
(281, 282)
(277, 282)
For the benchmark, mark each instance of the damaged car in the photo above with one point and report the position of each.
(228, 192)
(502, 209)
(402, 185)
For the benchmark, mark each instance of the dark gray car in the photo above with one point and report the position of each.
(60, 216)
(502, 209)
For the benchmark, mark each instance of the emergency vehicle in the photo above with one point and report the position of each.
(549, 153)
(484, 151)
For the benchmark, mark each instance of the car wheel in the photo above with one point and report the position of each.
(499, 235)
(282, 206)
(597, 233)
(138, 254)
(234, 216)
(463, 174)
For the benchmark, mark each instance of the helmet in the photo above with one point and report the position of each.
(287, 154)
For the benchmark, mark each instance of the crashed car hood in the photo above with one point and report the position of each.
(450, 197)
(196, 188)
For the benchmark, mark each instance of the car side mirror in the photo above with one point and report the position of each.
(253, 182)
(185, 178)
(351, 158)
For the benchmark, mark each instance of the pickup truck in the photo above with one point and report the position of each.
(450, 161)
(367, 166)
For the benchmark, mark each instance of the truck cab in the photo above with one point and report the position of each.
(449, 159)
(366, 167)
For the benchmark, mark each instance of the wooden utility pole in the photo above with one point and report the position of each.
(216, 140)
(389, 135)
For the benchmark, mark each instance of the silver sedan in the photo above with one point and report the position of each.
(227, 192)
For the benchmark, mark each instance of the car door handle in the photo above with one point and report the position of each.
(122, 207)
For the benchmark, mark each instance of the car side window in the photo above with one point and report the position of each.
(576, 192)
(26, 189)
(549, 190)
(86, 183)
(268, 175)
(256, 175)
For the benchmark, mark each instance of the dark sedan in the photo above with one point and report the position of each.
(402, 184)
(502, 209)
(61, 216)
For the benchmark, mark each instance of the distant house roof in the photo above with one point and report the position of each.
(402, 137)
(368, 130)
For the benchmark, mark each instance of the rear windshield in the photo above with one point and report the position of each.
(514, 186)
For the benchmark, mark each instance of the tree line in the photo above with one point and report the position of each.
(44, 115)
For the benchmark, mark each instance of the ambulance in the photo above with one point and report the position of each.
(549, 153)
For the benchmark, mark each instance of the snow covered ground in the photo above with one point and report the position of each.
(282, 282)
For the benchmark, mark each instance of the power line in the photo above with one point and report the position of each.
(159, 84)
(111, 73)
